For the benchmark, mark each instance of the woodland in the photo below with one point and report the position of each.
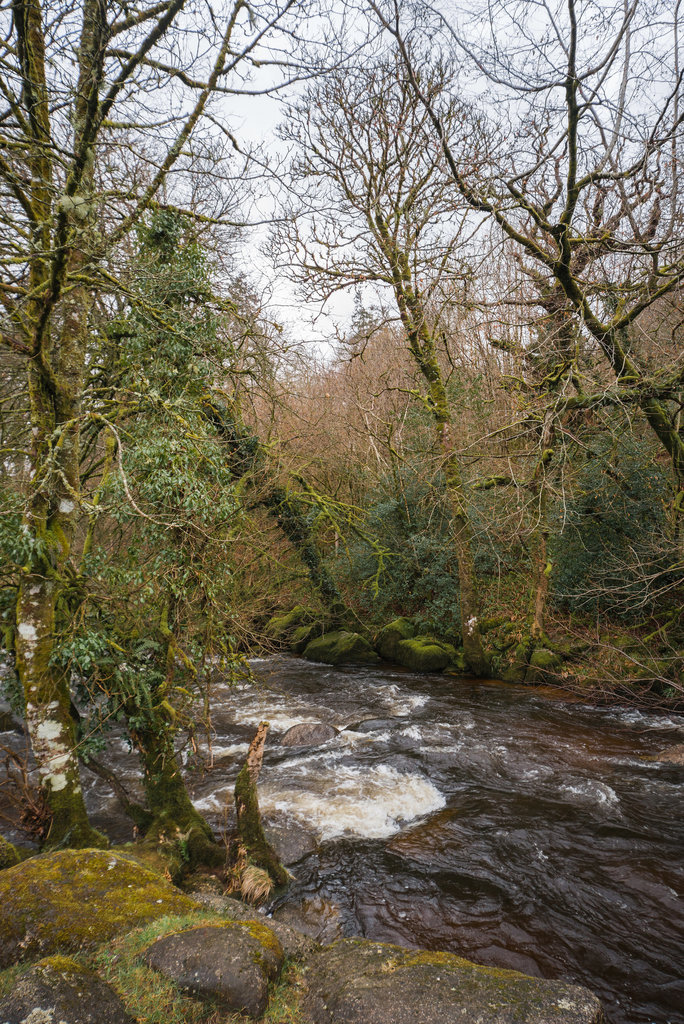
(490, 446)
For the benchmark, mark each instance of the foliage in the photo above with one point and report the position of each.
(611, 552)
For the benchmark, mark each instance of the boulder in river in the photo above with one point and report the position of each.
(61, 990)
(424, 654)
(341, 648)
(75, 899)
(360, 982)
(231, 964)
(391, 635)
(306, 734)
(290, 840)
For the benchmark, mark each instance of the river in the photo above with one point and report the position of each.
(512, 828)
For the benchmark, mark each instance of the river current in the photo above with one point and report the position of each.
(492, 821)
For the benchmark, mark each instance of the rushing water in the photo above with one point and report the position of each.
(488, 820)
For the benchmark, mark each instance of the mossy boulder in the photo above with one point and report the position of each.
(458, 666)
(391, 635)
(281, 627)
(76, 899)
(231, 963)
(60, 989)
(9, 855)
(341, 648)
(360, 982)
(424, 654)
(303, 635)
(546, 660)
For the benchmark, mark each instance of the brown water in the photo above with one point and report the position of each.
(488, 820)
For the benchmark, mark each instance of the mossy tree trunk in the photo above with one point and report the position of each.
(247, 457)
(181, 831)
(55, 371)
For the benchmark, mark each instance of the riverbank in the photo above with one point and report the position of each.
(96, 936)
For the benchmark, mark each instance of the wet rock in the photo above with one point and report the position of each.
(230, 963)
(424, 654)
(673, 754)
(389, 637)
(306, 734)
(75, 899)
(316, 917)
(341, 648)
(359, 982)
(290, 841)
(59, 989)
(376, 724)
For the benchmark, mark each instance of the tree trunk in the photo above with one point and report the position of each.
(257, 847)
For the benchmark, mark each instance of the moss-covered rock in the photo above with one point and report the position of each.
(458, 666)
(76, 899)
(424, 654)
(391, 635)
(359, 982)
(547, 661)
(60, 989)
(303, 635)
(230, 964)
(9, 855)
(281, 627)
(341, 648)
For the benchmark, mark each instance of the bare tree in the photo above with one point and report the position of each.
(377, 209)
(583, 174)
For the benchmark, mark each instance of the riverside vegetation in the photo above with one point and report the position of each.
(483, 475)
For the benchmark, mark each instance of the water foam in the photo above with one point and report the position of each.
(373, 803)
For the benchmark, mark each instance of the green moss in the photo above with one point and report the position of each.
(545, 659)
(75, 899)
(9, 855)
(340, 648)
(423, 655)
(281, 627)
(284, 1005)
(151, 998)
(391, 635)
(303, 635)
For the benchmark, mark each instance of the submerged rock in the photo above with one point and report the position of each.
(673, 754)
(230, 963)
(59, 989)
(391, 635)
(306, 734)
(360, 982)
(75, 899)
(340, 648)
